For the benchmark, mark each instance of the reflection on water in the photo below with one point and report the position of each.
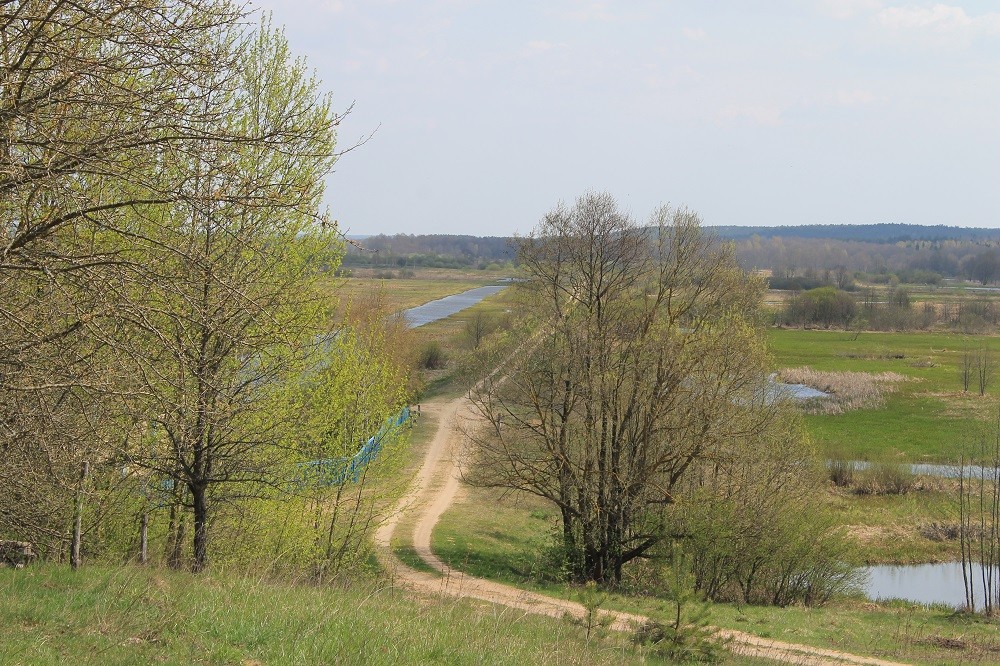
(780, 390)
(922, 583)
(449, 305)
(943, 471)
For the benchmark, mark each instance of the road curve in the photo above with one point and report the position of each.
(435, 487)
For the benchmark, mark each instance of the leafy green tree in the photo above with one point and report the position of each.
(90, 98)
(220, 308)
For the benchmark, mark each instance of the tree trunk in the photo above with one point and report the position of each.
(199, 496)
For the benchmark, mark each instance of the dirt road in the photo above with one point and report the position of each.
(434, 489)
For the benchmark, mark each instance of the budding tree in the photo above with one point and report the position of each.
(91, 93)
(646, 358)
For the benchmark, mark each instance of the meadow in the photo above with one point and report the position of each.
(131, 615)
(925, 418)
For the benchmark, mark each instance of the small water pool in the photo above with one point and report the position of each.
(939, 583)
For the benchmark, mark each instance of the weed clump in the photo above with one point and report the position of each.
(886, 478)
(433, 357)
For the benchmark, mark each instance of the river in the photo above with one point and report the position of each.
(449, 305)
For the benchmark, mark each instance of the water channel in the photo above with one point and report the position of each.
(449, 305)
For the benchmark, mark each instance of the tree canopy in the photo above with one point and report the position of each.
(645, 357)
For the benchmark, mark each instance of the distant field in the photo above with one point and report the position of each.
(401, 293)
(928, 418)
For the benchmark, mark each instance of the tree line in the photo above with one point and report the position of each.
(162, 318)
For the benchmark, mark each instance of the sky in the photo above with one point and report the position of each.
(485, 115)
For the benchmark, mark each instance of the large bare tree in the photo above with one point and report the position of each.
(647, 358)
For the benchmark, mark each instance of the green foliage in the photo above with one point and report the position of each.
(775, 555)
(680, 631)
(594, 621)
(433, 356)
(753, 526)
(823, 306)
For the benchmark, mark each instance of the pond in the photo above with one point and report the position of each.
(939, 583)
(792, 391)
(449, 305)
(942, 471)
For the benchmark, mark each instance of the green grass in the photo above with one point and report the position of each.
(401, 293)
(51, 615)
(928, 418)
(502, 539)
(889, 529)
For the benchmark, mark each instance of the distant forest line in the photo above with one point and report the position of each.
(911, 253)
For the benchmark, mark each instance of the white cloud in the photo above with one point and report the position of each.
(939, 19)
(538, 46)
(591, 11)
(848, 9)
(855, 98)
(694, 34)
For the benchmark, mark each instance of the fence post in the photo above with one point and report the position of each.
(74, 557)
(144, 537)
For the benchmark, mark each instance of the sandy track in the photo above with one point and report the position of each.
(436, 486)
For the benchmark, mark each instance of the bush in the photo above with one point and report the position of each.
(886, 478)
(776, 555)
(842, 472)
(825, 306)
(433, 357)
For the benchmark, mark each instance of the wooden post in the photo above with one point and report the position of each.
(74, 557)
(144, 538)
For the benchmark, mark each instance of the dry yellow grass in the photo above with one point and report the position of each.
(849, 390)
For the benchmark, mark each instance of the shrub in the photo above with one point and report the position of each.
(825, 306)
(779, 554)
(433, 357)
(684, 634)
(886, 478)
(842, 472)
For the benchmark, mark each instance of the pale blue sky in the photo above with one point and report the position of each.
(750, 112)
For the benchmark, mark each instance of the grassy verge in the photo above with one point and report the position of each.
(50, 615)
(501, 538)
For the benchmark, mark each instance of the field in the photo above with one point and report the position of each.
(500, 537)
(927, 418)
(425, 284)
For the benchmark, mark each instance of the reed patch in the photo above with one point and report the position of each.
(849, 390)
